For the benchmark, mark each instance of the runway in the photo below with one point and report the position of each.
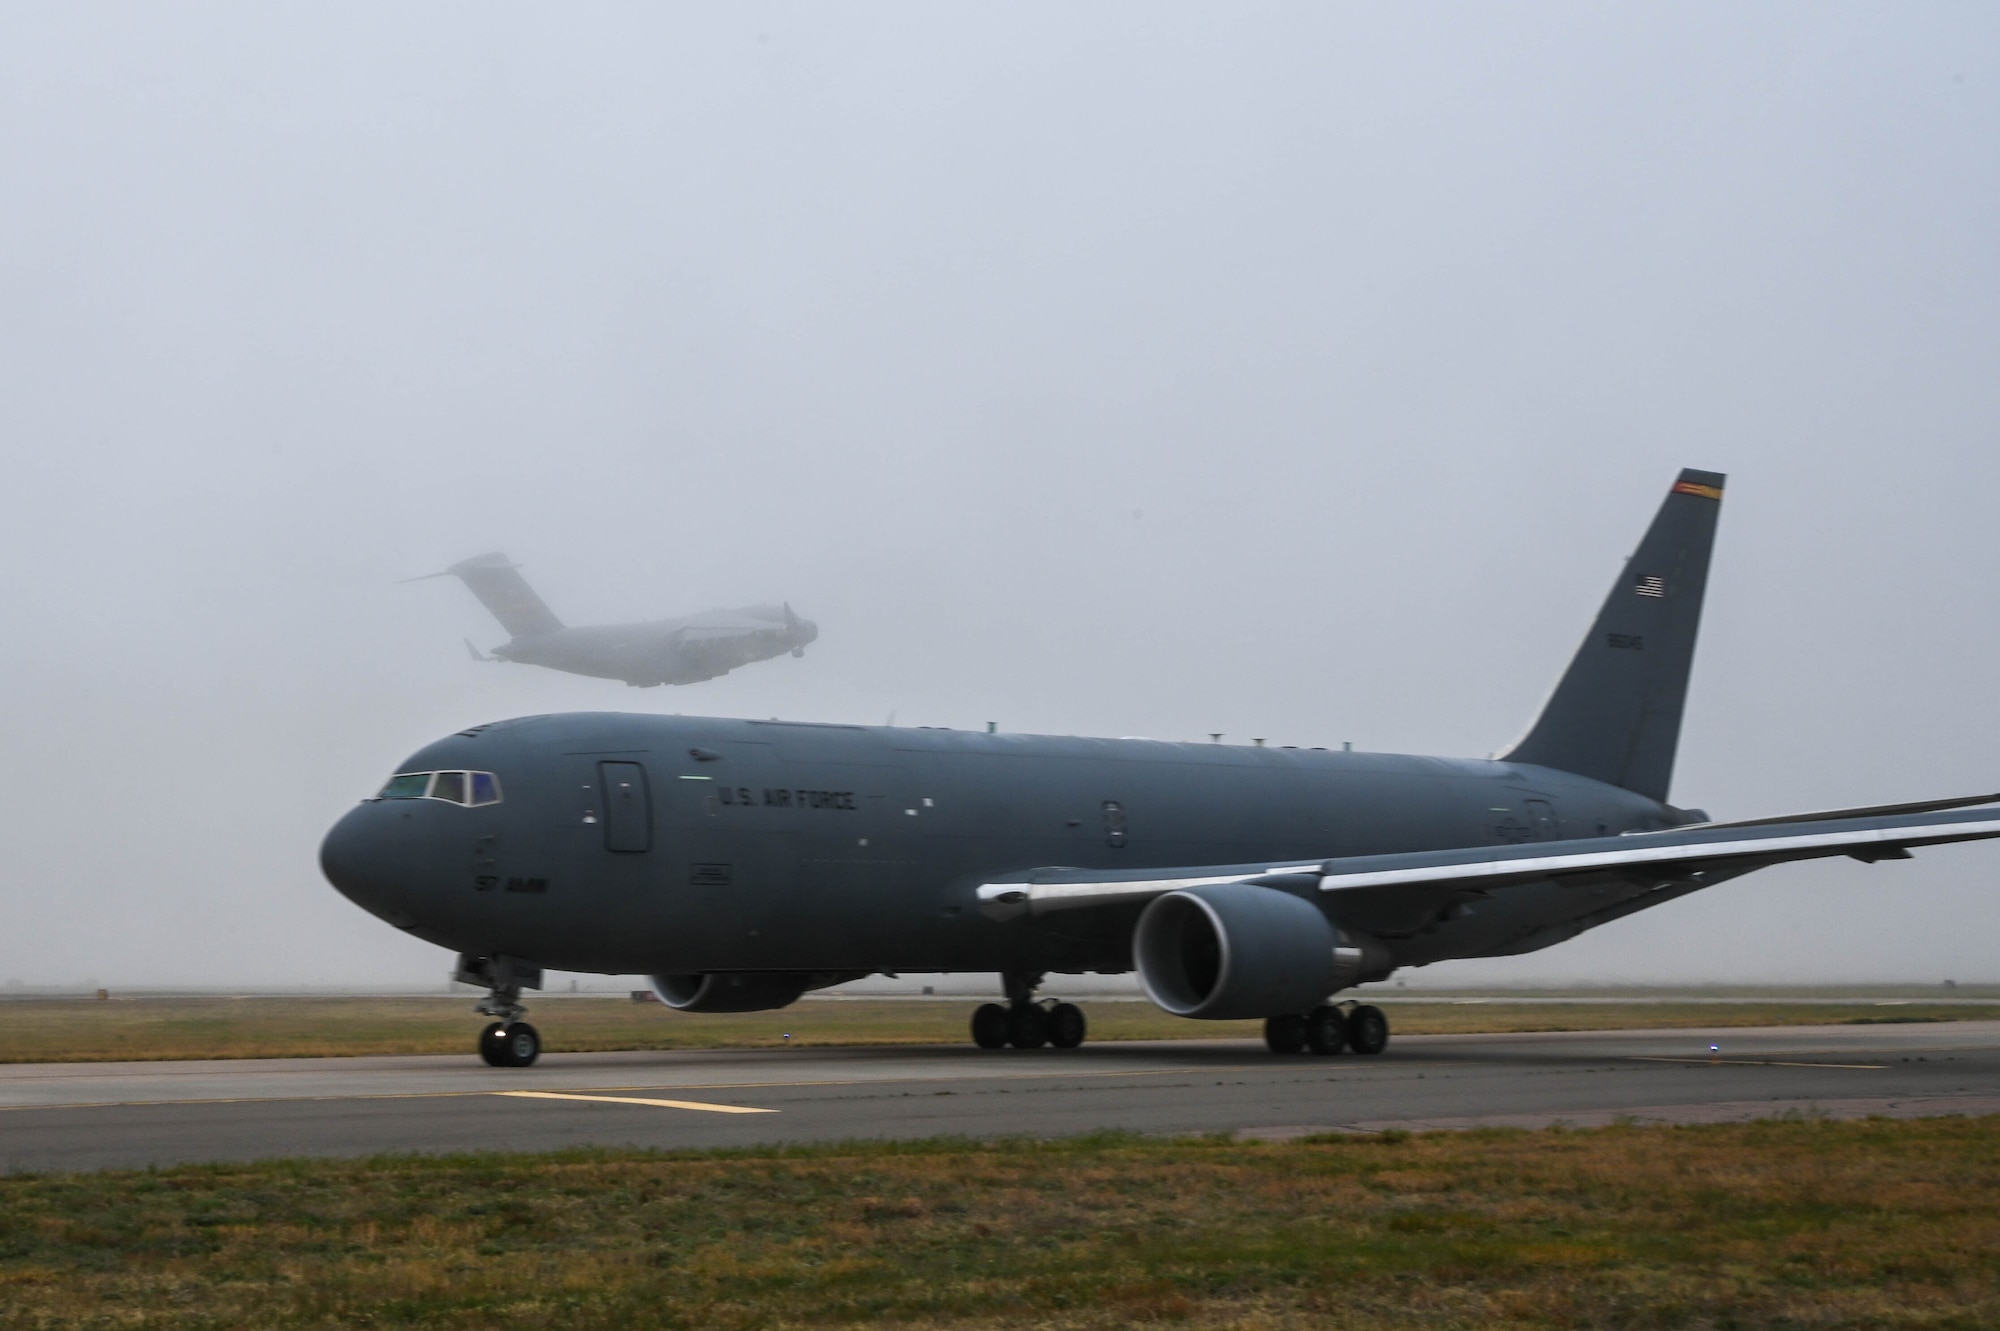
(82, 1116)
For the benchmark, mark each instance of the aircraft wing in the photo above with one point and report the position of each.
(710, 632)
(721, 624)
(1411, 885)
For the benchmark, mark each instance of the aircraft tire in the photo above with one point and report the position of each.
(1066, 1026)
(1326, 1030)
(492, 1046)
(989, 1026)
(521, 1044)
(1367, 1030)
(1285, 1034)
(1027, 1027)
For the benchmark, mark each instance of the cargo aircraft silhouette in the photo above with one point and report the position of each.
(743, 863)
(661, 651)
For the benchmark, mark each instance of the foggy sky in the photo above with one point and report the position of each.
(1285, 370)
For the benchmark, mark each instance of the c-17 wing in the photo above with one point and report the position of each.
(1414, 886)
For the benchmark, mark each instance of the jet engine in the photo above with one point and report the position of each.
(742, 991)
(730, 991)
(1236, 950)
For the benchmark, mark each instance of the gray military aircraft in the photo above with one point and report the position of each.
(661, 651)
(743, 863)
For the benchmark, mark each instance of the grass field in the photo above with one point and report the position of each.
(173, 1028)
(1777, 1224)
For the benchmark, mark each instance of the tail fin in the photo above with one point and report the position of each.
(1616, 714)
(498, 584)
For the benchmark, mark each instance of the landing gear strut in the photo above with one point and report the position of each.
(1025, 1022)
(508, 1042)
(1328, 1030)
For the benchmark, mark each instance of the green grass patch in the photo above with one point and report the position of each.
(1776, 1224)
(84, 1030)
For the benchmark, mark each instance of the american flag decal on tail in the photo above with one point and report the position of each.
(1650, 586)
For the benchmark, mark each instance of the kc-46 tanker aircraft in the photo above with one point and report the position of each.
(743, 863)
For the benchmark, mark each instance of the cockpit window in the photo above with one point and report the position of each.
(452, 787)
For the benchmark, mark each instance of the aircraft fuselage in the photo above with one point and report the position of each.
(762, 846)
(668, 651)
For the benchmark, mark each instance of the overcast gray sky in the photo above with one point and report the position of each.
(1290, 370)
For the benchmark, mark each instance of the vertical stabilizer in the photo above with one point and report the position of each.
(498, 584)
(1616, 714)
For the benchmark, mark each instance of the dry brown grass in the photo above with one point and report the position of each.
(1786, 1224)
(177, 1028)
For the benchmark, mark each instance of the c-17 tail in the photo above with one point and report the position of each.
(497, 582)
(1615, 715)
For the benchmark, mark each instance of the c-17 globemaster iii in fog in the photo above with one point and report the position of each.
(661, 651)
(742, 863)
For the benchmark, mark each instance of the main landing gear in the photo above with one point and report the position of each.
(1328, 1030)
(508, 1042)
(1025, 1022)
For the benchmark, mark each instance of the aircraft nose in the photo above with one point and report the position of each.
(360, 857)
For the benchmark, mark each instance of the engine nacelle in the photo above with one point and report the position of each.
(1236, 950)
(731, 991)
(742, 991)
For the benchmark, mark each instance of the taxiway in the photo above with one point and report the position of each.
(120, 1115)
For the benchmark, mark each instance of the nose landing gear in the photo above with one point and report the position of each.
(508, 1042)
(1327, 1030)
(1024, 1022)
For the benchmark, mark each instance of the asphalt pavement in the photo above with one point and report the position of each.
(80, 1116)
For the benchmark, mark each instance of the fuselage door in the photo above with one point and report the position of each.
(1114, 824)
(628, 807)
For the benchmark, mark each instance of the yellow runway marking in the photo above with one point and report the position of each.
(923, 1081)
(634, 1100)
(1755, 1062)
(697, 1086)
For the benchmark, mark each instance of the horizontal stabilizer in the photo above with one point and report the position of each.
(1675, 854)
(1872, 811)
